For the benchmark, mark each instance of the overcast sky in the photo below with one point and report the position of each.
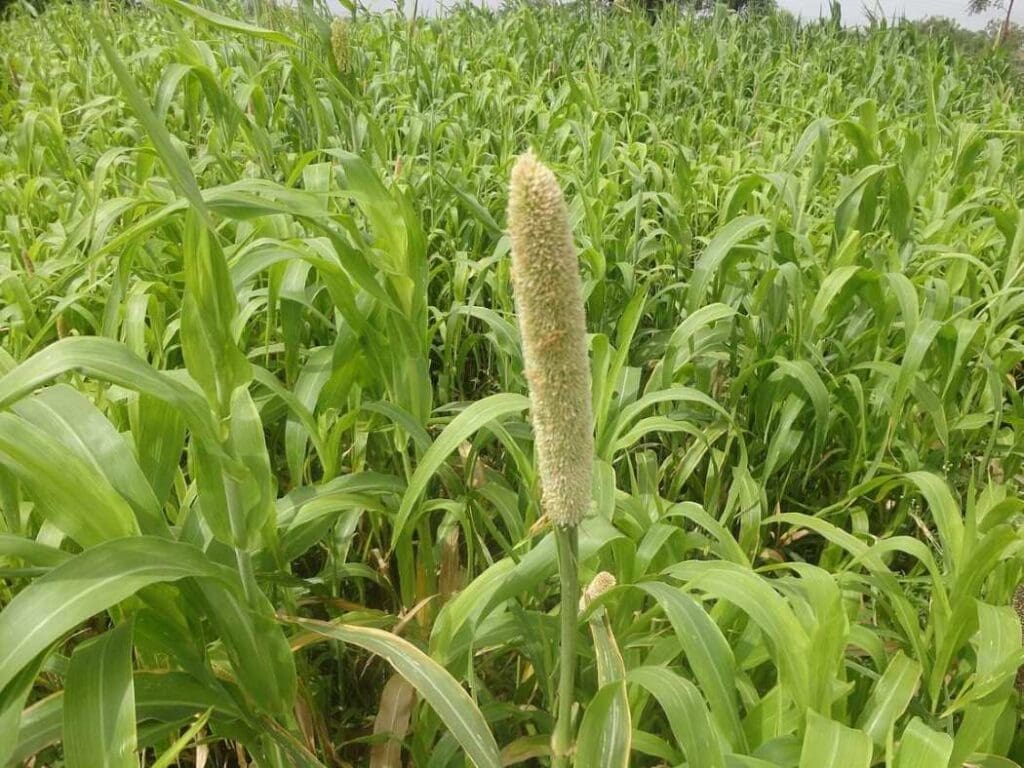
(853, 10)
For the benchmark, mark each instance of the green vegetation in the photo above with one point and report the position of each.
(267, 475)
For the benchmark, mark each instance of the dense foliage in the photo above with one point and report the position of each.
(263, 424)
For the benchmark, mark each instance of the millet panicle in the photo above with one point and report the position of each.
(549, 304)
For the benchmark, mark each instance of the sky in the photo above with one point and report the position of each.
(853, 10)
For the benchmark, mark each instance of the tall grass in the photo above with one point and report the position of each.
(267, 476)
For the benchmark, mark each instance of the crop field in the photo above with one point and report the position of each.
(270, 493)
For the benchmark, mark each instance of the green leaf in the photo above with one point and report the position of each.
(174, 159)
(99, 703)
(159, 432)
(170, 755)
(87, 584)
(254, 642)
(65, 414)
(831, 286)
(227, 23)
(473, 418)
(68, 491)
(810, 382)
(32, 552)
(475, 206)
(731, 235)
(165, 697)
(686, 712)
(12, 699)
(740, 586)
(437, 687)
(890, 698)
(945, 511)
(707, 653)
(208, 308)
(921, 747)
(605, 735)
(113, 362)
(255, 491)
(613, 431)
(607, 655)
(828, 744)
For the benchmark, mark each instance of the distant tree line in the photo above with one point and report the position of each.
(704, 5)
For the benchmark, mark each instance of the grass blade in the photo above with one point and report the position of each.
(438, 688)
(99, 711)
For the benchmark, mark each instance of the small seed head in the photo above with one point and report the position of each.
(600, 584)
(339, 44)
(1018, 606)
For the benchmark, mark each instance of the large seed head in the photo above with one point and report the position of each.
(549, 304)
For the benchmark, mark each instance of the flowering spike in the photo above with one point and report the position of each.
(549, 304)
(339, 44)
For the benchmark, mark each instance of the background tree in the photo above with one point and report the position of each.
(979, 6)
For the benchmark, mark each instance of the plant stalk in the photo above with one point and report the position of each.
(567, 540)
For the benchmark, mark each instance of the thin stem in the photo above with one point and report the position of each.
(568, 571)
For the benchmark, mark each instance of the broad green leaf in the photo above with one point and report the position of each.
(687, 714)
(607, 655)
(999, 639)
(731, 235)
(113, 362)
(32, 552)
(66, 415)
(170, 153)
(69, 492)
(475, 206)
(208, 307)
(12, 699)
(166, 697)
(437, 687)
(227, 23)
(86, 585)
(628, 415)
(921, 747)
(604, 739)
(99, 703)
(802, 372)
(831, 286)
(890, 697)
(828, 744)
(254, 642)
(255, 491)
(503, 581)
(742, 587)
(473, 418)
(944, 511)
(158, 430)
(706, 652)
